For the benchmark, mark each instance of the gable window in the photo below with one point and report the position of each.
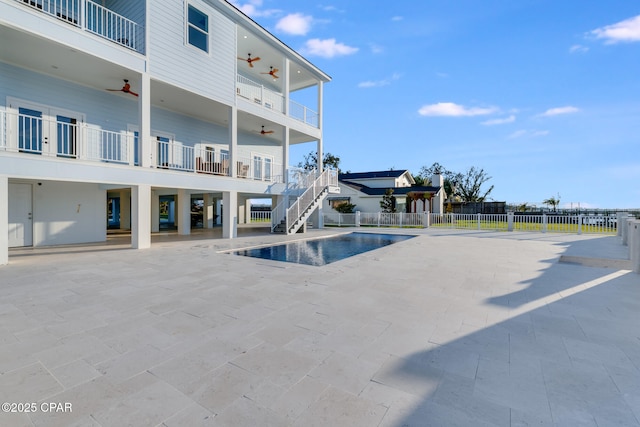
(197, 29)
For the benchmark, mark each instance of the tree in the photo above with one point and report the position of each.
(553, 202)
(345, 207)
(311, 161)
(469, 187)
(450, 178)
(388, 202)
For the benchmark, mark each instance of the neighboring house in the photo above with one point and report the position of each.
(125, 113)
(366, 190)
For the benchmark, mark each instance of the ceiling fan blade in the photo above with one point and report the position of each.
(132, 93)
(114, 90)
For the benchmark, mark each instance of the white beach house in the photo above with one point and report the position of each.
(114, 106)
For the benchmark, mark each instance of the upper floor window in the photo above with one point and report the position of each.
(198, 29)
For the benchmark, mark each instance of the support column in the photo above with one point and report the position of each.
(125, 210)
(147, 147)
(155, 212)
(184, 212)
(320, 103)
(285, 155)
(230, 215)
(208, 210)
(141, 216)
(4, 219)
(218, 204)
(233, 141)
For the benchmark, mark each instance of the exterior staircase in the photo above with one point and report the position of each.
(289, 221)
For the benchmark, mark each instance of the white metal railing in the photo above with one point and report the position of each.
(604, 224)
(174, 155)
(260, 216)
(108, 146)
(66, 138)
(259, 94)
(306, 199)
(105, 23)
(62, 137)
(302, 113)
(93, 18)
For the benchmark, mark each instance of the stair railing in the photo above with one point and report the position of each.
(306, 199)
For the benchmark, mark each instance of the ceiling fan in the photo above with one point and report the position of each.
(126, 88)
(265, 132)
(272, 72)
(249, 59)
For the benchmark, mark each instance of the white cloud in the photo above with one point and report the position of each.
(449, 109)
(503, 121)
(623, 31)
(523, 133)
(577, 48)
(397, 18)
(295, 24)
(252, 8)
(559, 110)
(379, 83)
(327, 48)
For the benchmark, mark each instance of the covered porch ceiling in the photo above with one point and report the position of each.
(41, 55)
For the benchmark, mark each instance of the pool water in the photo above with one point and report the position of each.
(324, 250)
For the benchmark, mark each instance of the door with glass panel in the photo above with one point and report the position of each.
(45, 130)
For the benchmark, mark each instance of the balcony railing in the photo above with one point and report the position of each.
(63, 137)
(267, 98)
(95, 19)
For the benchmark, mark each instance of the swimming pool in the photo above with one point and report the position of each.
(324, 250)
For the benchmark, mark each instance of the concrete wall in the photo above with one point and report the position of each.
(66, 213)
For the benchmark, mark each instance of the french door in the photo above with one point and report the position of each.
(45, 130)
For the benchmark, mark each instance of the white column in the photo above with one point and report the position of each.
(208, 210)
(230, 220)
(147, 147)
(4, 219)
(320, 103)
(125, 210)
(141, 216)
(155, 212)
(285, 154)
(184, 212)
(233, 141)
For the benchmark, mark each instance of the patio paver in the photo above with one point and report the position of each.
(449, 328)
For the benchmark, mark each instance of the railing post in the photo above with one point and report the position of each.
(379, 213)
(510, 221)
(544, 223)
(357, 218)
(82, 18)
(401, 214)
(580, 224)
(479, 222)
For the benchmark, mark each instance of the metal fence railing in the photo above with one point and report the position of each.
(94, 18)
(577, 224)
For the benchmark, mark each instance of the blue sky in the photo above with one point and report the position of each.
(543, 95)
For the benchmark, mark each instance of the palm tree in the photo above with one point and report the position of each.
(553, 202)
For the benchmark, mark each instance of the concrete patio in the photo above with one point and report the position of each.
(451, 328)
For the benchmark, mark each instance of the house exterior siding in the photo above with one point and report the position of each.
(88, 114)
(174, 61)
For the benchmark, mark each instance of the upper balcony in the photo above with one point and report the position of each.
(274, 77)
(106, 20)
(273, 100)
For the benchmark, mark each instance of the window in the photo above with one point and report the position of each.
(198, 29)
(67, 136)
